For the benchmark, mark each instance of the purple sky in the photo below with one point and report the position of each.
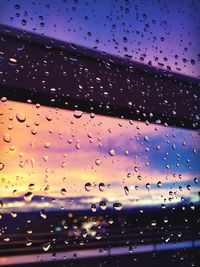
(163, 32)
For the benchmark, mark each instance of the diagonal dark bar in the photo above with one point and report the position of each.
(92, 81)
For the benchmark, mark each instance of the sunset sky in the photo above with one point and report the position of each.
(54, 154)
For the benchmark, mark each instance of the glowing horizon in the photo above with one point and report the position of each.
(54, 154)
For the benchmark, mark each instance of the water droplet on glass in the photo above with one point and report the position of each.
(13, 214)
(20, 117)
(46, 246)
(188, 187)
(78, 114)
(159, 184)
(93, 208)
(84, 233)
(34, 131)
(98, 236)
(6, 239)
(102, 205)
(1, 166)
(136, 169)
(63, 191)
(98, 162)
(31, 186)
(112, 152)
(3, 99)
(12, 61)
(101, 187)
(117, 206)
(45, 158)
(130, 249)
(148, 186)
(7, 138)
(48, 117)
(47, 145)
(78, 146)
(28, 243)
(126, 190)
(88, 187)
(92, 115)
(43, 214)
(28, 196)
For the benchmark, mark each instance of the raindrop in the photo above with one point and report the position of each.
(188, 187)
(88, 187)
(28, 243)
(78, 146)
(28, 196)
(117, 206)
(47, 145)
(48, 117)
(195, 179)
(148, 186)
(101, 187)
(12, 61)
(6, 239)
(153, 223)
(7, 138)
(126, 190)
(98, 236)
(112, 152)
(31, 186)
(136, 169)
(20, 117)
(1, 166)
(34, 131)
(111, 221)
(3, 99)
(37, 105)
(167, 239)
(42, 214)
(159, 184)
(22, 164)
(46, 246)
(63, 191)
(93, 208)
(92, 115)
(23, 22)
(192, 206)
(102, 205)
(78, 114)
(12, 148)
(130, 249)
(129, 175)
(45, 158)
(13, 214)
(84, 233)
(17, 6)
(98, 162)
